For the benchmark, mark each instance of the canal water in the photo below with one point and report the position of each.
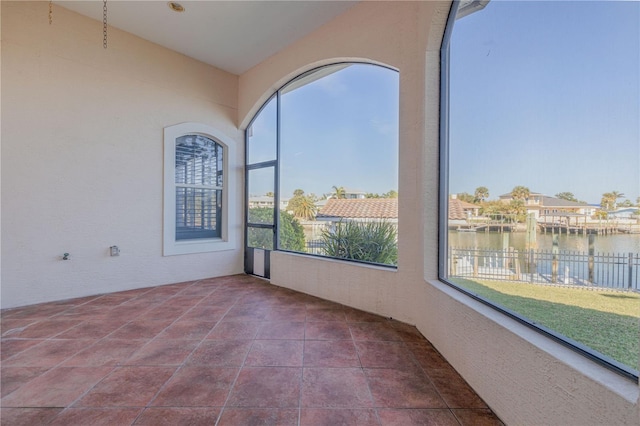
(617, 243)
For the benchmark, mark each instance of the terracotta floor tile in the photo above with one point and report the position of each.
(197, 386)
(335, 388)
(92, 329)
(27, 416)
(186, 301)
(112, 300)
(427, 356)
(197, 290)
(477, 417)
(330, 353)
(127, 387)
(141, 329)
(46, 328)
(409, 333)
(386, 355)
(11, 347)
(96, 417)
(325, 314)
(162, 352)
(417, 417)
(246, 313)
(11, 327)
(259, 416)
(266, 387)
(355, 315)
(288, 313)
(188, 329)
(275, 353)
(374, 331)
(164, 311)
(454, 390)
(40, 311)
(327, 330)
(234, 330)
(331, 417)
(402, 389)
(281, 330)
(127, 311)
(178, 416)
(48, 353)
(14, 377)
(105, 352)
(205, 312)
(58, 387)
(229, 353)
(83, 312)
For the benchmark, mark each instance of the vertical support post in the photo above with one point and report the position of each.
(476, 255)
(630, 278)
(505, 247)
(554, 262)
(532, 225)
(591, 262)
(532, 265)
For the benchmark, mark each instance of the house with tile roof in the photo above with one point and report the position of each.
(361, 209)
(461, 210)
(542, 205)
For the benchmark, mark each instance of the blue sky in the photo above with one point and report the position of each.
(546, 95)
(339, 130)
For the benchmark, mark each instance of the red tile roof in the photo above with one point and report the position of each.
(370, 208)
(458, 209)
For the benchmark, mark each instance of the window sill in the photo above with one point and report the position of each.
(569, 359)
(193, 247)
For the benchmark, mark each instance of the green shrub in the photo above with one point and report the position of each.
(365, 241)
(291, 232)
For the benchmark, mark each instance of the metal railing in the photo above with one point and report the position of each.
(618, 271)
(315, 247)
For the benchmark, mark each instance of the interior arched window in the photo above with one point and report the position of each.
(540, 181)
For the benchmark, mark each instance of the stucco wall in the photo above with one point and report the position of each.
(82, 155)
(526, 378)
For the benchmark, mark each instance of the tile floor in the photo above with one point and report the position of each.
(225, 351)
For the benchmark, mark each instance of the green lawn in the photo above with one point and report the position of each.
(606, 321)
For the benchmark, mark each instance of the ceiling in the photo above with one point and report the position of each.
(231, 35)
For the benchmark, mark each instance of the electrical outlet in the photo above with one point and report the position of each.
(114, 250)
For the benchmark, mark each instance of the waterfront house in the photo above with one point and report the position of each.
(543, 206)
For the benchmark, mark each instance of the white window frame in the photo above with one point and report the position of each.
(226, 241)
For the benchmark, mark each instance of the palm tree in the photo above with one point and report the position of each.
(608, 201)
(482, 193)
(339, 192)
(616, 195)
(566, 196)
(305, 208)
(520, 193)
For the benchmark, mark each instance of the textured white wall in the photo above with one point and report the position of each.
(82, 155)
(526, 378)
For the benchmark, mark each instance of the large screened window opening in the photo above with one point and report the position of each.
(322, 166)
(540, 168)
